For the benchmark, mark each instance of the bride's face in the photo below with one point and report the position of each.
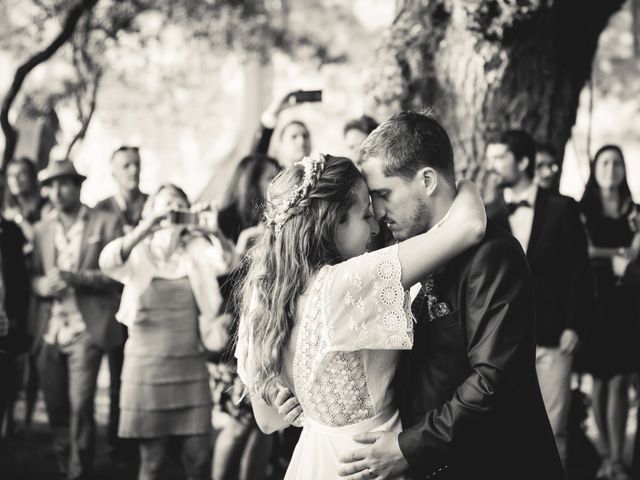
(355, 230)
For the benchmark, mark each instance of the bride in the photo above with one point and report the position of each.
(325, 319)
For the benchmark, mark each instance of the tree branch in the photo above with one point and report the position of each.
(10, 133)
(86, 119)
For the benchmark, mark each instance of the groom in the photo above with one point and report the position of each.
(468, 392)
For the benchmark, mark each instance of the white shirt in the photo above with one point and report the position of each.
(66, 322)
(521, 221)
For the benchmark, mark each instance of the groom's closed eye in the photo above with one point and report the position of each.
(382, 194)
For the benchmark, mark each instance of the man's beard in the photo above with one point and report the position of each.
(419, 222)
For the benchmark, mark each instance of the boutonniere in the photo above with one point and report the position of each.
(437, 309)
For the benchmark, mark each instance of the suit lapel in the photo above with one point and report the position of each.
(49, 245)
(498, 213)
(88, 227)
(542, 199)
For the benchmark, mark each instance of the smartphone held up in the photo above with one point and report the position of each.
(205, 220)
(304, 96)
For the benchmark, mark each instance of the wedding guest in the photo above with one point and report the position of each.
(355, 132)
(76, 314)
(547, 169)
(248, 188)
(241, 450)
(14, 302)
(170, 305)
(294, 137)
(127, 203)
(23, 202)
(25, 205)
(606, 206)
(548, 227)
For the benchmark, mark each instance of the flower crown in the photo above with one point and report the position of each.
(313, 168)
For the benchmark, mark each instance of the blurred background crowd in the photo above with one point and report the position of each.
(138, 144)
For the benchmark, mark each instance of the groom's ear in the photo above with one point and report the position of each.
(429, 179)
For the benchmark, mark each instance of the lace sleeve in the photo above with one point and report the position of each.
(365, 304)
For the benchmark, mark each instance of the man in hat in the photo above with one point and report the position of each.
(76, 313)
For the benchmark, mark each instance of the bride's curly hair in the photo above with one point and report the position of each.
(298, 241)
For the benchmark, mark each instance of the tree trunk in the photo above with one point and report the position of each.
(485, 65)
(10, 133)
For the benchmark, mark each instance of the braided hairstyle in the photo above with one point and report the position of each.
(284, 258)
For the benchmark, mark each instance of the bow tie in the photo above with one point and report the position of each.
(513, 206)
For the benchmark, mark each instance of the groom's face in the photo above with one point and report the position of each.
(401, 204)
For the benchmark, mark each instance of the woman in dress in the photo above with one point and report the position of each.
(606, 206)
(323, 318)
(170, 304)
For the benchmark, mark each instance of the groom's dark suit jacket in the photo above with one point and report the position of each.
(468, 392)
(558, 257)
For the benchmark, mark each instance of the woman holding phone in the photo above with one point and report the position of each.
(170, 303)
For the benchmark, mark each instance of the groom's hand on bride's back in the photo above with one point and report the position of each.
(380, 458)
(289, 408)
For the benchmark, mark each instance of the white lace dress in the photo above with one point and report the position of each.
(341, 358)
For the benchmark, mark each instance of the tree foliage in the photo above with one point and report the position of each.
(488, 65)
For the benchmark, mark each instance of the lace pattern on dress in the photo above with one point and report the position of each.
(330, 384)
(391, 327)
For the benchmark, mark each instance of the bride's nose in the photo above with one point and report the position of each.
(373, 226)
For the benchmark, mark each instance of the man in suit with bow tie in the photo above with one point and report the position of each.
(468, 392)
(549, 229)
(76, 313)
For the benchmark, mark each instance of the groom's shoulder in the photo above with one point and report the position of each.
(498, 247)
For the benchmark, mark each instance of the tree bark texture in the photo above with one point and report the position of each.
(486, 65)
(10, 133)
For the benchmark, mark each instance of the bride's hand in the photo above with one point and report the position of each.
(289, 408)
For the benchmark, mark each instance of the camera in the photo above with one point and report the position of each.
(302, 96)
(206, 220)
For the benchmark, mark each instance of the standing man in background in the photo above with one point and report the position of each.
(548, 227)
(547, 170)
(128, 201)
(127, 204)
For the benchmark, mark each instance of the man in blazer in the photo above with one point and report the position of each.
(127, 204)
(468, 392)
(549, 229)
(76, 313)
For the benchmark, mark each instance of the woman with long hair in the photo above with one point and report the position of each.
(170, 303)
(23, 202)
(24, 205)
(320, 313)
(606, 207)
(241, 450)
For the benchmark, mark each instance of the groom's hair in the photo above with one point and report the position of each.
(408, 142)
